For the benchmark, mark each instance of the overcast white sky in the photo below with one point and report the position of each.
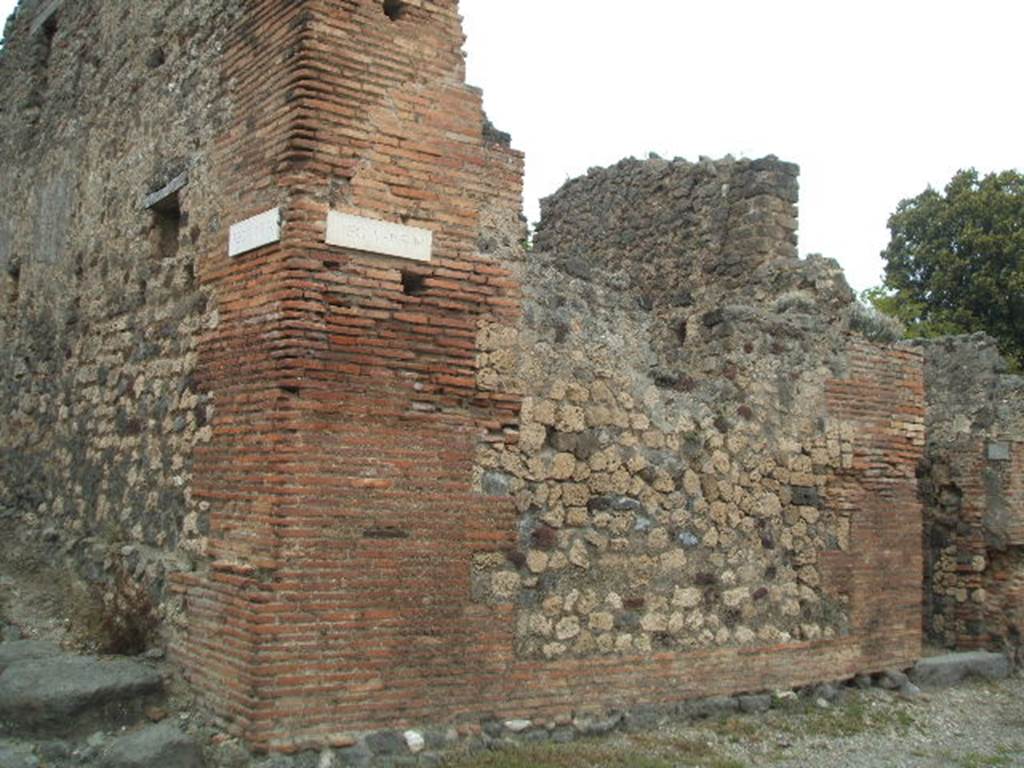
(874, 99)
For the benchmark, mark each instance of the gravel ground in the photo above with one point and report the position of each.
(976, 724)
(971, 726)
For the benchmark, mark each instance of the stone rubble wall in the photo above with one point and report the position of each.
(706, 471)
(102, 311)
(972, 486)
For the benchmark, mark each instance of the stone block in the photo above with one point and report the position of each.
(160, 198)
(163, 745)
(24, 650)
(495, 484)
(805, 496)
(65, 694)
(753, 703)
(44, 14)
(942, 671)
(386, 743)
(892, 679)
(700, 709)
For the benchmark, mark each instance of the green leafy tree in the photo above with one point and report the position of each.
(955, 263)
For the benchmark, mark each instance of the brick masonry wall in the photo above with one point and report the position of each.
(342, 592)
(342, 527)
(883, 397)
(348, 414)
(971, 487)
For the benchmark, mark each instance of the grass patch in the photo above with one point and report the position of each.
(642, 751)
(116, 617)
(738, 730)
(1005, 754)
(847, 719)
(979, 760)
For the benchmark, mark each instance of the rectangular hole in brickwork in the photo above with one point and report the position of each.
(385, 532)
(413, 283)
(395, 9)
(44, 35)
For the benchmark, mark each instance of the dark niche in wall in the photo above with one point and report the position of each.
(13, 283)
(413, 283)
(167, 228)
(165, 207)
(395, 9)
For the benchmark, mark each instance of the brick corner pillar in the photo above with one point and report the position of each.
(342, 511)
(880, 404)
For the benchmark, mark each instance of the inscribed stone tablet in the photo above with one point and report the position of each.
(260, 230)
(382, 237)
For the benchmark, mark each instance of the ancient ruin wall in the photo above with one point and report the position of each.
(713, 474)
(972, 485)
(100, 406)
(289, 432)
(648, 460)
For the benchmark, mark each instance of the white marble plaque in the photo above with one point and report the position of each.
(262, 229)
(383, 237)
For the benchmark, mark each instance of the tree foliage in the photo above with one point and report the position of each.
(955, 261)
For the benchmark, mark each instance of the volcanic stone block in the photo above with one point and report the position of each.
(941, 671)
(66, 694)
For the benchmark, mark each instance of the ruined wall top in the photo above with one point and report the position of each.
(970, 389)
(667, 226)
(702, 256)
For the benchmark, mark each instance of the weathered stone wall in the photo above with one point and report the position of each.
(649, 460)
(972, 485)
(709, 464)
(100, 410)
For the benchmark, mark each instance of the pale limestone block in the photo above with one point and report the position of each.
(602, 621)
(537, 561)
(689, 597)
(567, 628)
